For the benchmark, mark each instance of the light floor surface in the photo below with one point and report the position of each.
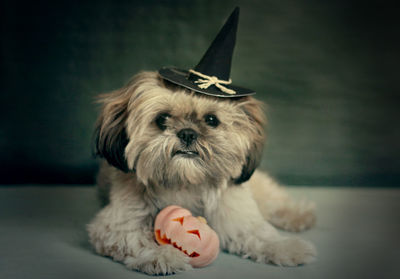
(42, 235)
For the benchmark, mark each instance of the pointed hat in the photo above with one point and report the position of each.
(211, 74)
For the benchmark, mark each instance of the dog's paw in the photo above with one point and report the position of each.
(162, 261)
(294, 217)
(291, 252)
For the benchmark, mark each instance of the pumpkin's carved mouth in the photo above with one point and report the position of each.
(165, 240)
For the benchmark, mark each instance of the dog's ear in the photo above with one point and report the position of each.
(110, 135)
(254, 111)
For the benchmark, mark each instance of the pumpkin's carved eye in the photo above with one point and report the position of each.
(196, 232)
(179, 219)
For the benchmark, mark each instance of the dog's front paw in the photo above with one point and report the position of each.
(161, 261)
(294, 217)
(291, 252)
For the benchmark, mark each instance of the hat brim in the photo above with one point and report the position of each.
(181, 77)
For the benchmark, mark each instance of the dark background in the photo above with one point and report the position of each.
(328, 71)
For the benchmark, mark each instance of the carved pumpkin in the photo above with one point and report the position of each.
(176, 226)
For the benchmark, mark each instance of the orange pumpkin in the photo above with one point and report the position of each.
(176, 226)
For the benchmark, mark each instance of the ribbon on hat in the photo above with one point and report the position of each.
(212, 80)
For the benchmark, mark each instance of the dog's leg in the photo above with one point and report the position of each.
(123, 230)
(242, 230)
(278, 208)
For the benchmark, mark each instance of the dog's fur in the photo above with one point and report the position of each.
(143, 173)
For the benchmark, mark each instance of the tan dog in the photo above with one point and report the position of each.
(168, 145)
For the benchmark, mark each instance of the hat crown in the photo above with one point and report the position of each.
(218, 58)
(211, 74)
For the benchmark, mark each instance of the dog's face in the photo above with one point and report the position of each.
(170, 136)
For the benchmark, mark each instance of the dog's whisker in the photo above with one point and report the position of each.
(205, 151)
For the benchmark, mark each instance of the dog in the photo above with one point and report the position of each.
(164, 144)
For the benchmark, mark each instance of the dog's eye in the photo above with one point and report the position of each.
(160, 120)
(211, 120)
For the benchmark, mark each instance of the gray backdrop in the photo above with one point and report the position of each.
(326, 69)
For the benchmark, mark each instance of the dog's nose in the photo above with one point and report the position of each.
(187, 136)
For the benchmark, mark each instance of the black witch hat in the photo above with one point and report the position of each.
(211, 75)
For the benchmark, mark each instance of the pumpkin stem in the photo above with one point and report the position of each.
(202, 219)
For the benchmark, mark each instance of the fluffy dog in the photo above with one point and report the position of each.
(164, 145)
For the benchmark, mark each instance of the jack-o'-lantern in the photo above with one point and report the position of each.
(176, 226)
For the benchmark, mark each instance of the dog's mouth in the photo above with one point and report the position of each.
(186, 153)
